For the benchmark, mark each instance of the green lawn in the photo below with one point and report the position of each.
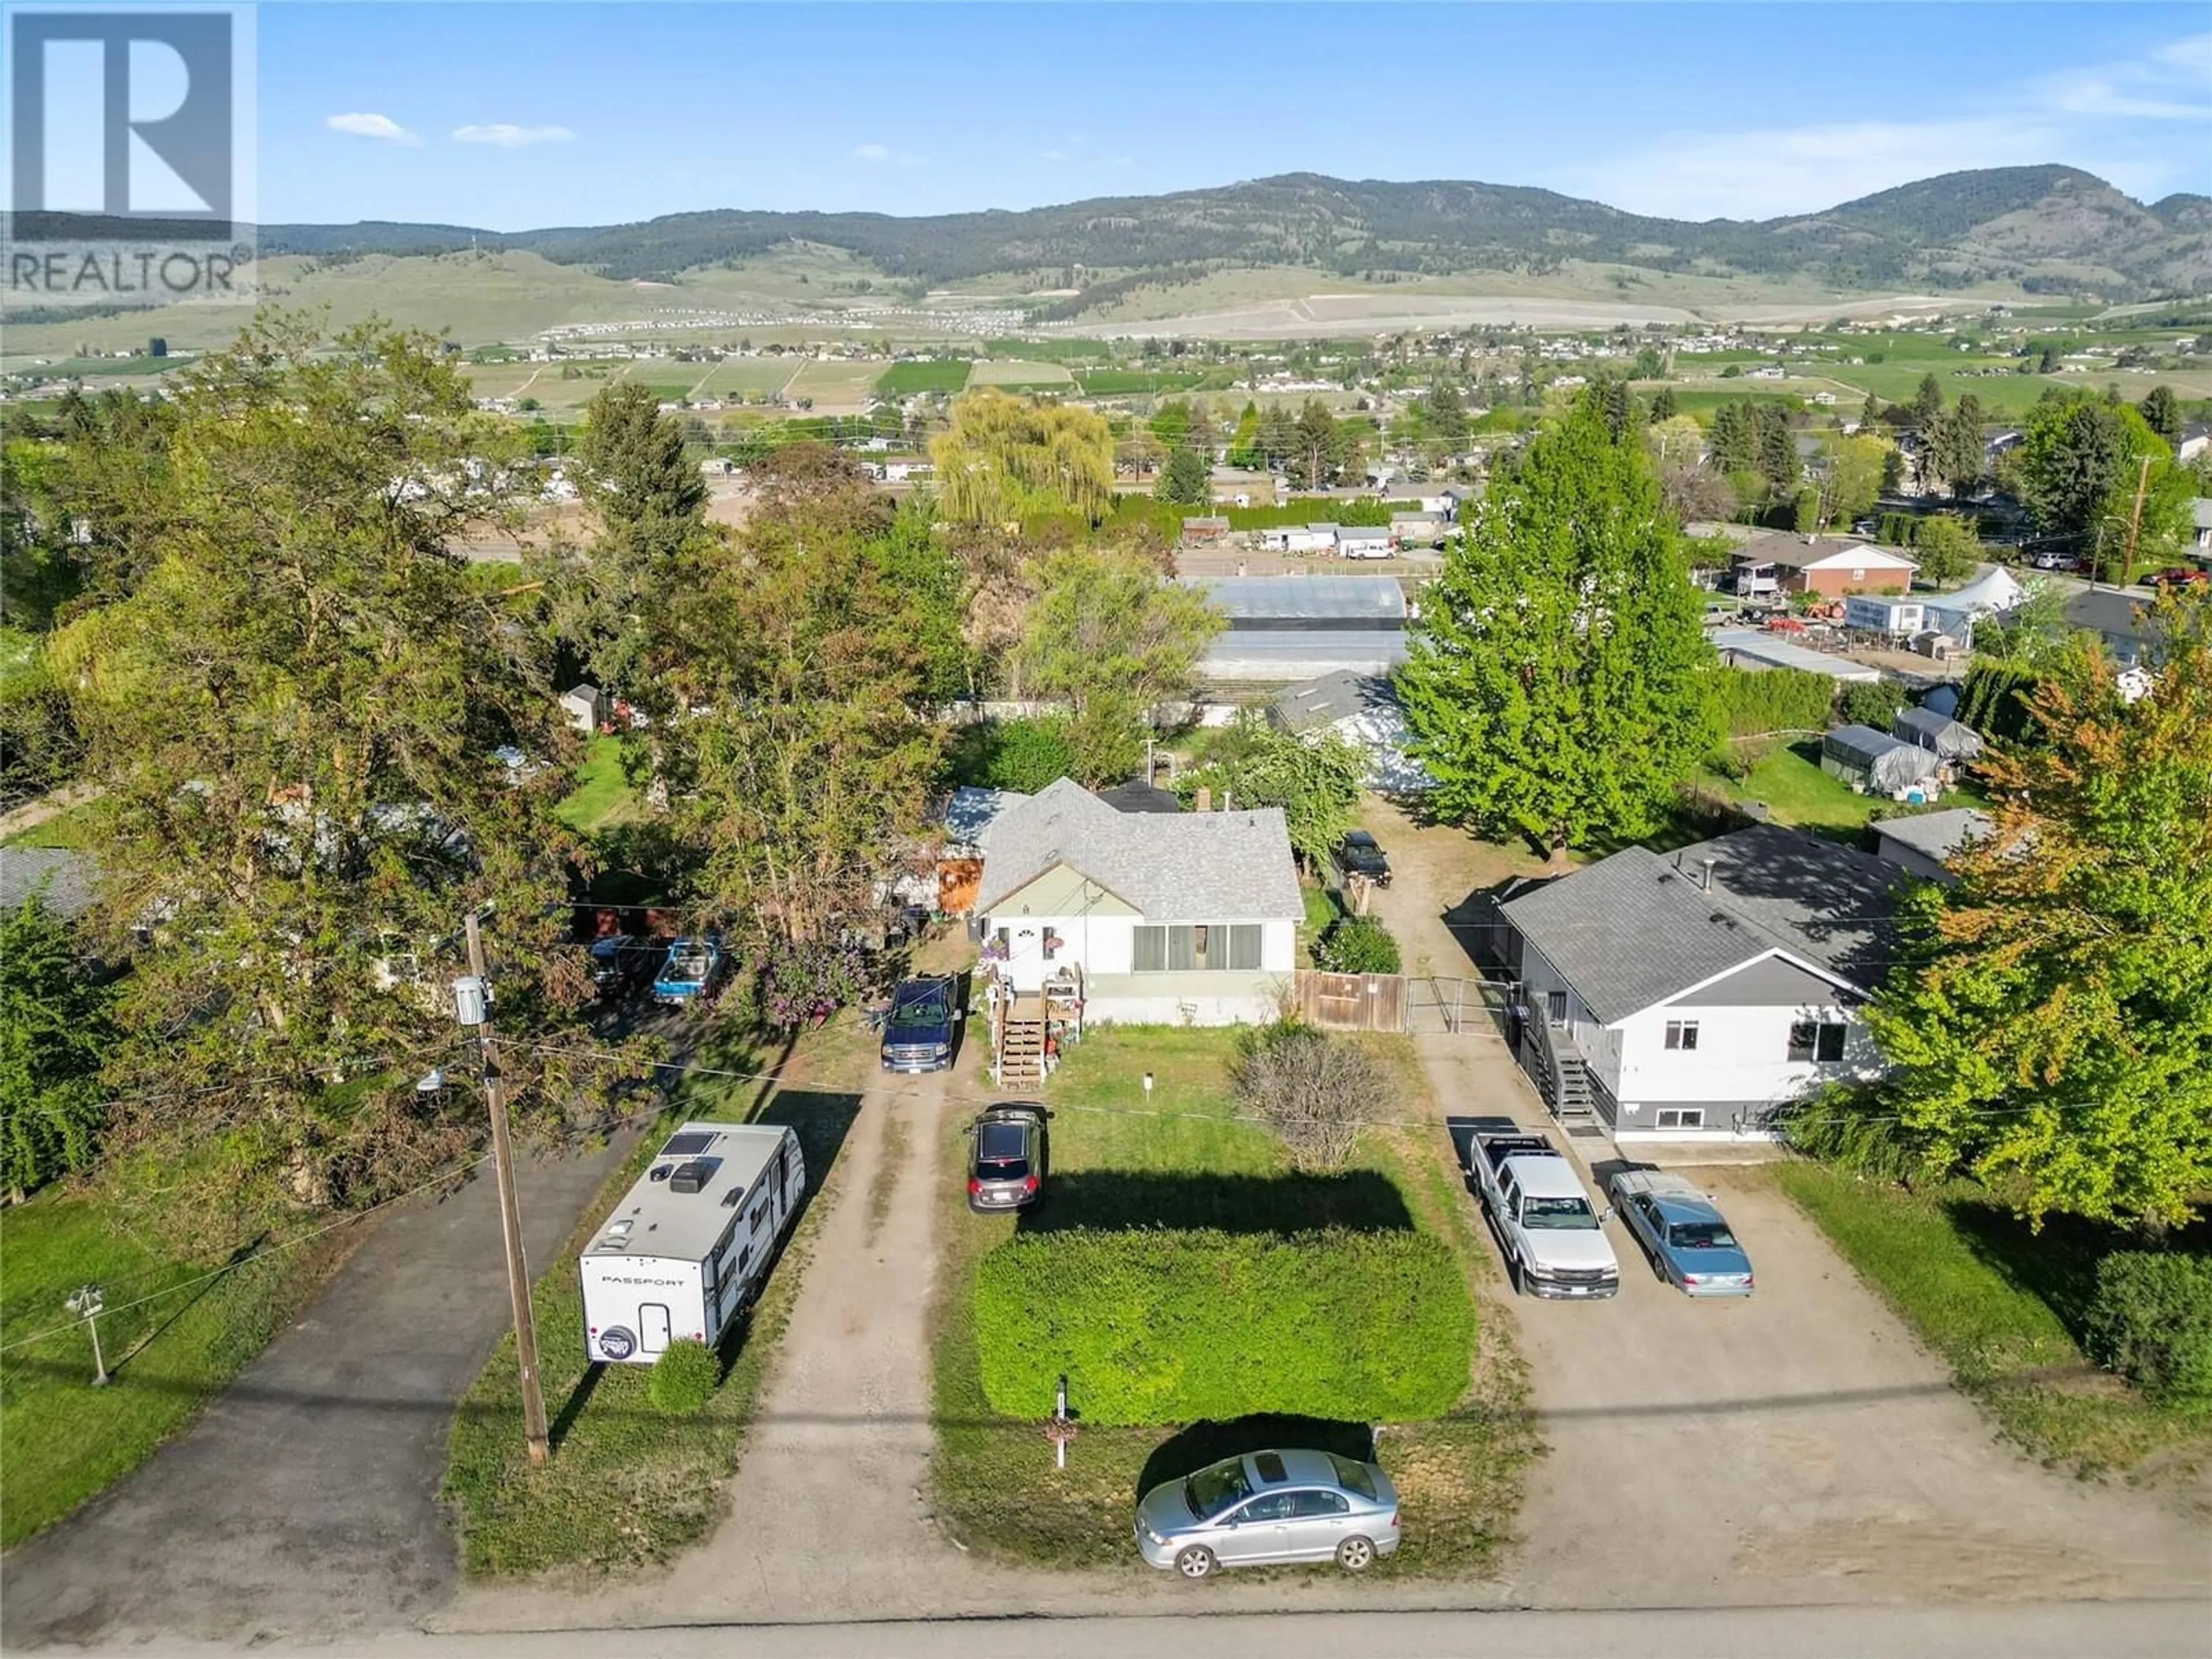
(602, 795)
(628, 1486)
(1190, 1164)
(903, 379)
(1996, 1302)
(1790, 780)
(178, 1344)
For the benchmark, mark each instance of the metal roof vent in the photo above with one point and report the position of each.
(691, 1174)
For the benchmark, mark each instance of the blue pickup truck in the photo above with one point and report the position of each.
(690, 972)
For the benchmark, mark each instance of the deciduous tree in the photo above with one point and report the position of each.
(2051, 1018)
(1003, 459)
(1552, 683)
(1315, 779)
(1946, 549)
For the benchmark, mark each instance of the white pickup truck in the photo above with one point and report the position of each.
(1554, 1243)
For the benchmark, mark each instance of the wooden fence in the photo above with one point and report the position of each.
(1352, 1002)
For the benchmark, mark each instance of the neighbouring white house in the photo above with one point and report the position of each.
(1140, 917)
(1364, 541)
(1692, 995)
(1300, 538)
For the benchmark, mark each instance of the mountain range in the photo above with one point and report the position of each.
(2047, 228)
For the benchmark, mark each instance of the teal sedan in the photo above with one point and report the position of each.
(1688, 1241)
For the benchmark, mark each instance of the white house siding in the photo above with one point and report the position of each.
(1910, 858)
(1101, 942)
(1739, 1072)
(1209, 999)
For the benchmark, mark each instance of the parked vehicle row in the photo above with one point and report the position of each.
(1553, 1236)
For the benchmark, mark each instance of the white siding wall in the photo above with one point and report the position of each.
(1106, 944)
(1741, 1059)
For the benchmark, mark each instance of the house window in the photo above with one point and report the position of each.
(1859, 575)
(1196, 947)
(1682, 1034)
(1816, 1039)
(1681, 1117)
(1555, 1005)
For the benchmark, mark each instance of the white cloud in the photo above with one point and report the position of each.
(2172, 84)
(872, 152)
(505, 136)
(363, 124)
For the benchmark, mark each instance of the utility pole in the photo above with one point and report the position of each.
(477, 999)
(2135, 520)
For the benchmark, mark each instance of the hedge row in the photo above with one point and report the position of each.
(1154, 1327)
(1776, 699)
(2151, 1320)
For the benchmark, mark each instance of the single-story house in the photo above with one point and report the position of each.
(1693, 994)
(1364, 710)
(2196, 438)
(1830, 565)
(2200, 520)
(585, 705)
(1427, 499)
(1183, 918)
(1874, 763)
(1300, 538)
(1946, 738)
(1363, 541)
(1211, 528)
(1925, 842)
(1755, 650)
(2120, 620)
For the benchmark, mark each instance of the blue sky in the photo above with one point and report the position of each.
(511, 116)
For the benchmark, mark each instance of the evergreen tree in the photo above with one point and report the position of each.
(2161, 412)
(1186, 480)
(1552, 684)
(1870, 412)
(1927, 403)
(54, 1032)
(1662, 405)
(1955, 445)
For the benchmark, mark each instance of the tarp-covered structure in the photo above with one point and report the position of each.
(1942, 736)
(1872, 760)
(1991, 594)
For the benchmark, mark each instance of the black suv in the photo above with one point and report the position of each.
(1357, 854)
(918, 1027)
(1006, 1169)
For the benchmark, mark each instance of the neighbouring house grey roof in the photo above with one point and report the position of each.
(1363, 532)
(1296, 601)
(1191, 867)
(1333, 697)
(1937, 834)
(1946, 738)
(1889, 763)
(585, 689)
(969, 810)
(1785, 547)
(1423, 517)
(64, 878)
(1638, 928)
(2101, 610)
(1140, 798)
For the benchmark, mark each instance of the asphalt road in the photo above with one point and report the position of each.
(304, 1500)
(2139, 1630)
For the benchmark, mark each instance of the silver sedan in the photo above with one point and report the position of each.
(1270, 1507)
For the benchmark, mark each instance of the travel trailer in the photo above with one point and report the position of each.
(687, 1248)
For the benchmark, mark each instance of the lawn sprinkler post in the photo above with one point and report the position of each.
(87, 1305)
(1148, 1096)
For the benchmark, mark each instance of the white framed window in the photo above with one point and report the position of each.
(1195, 947)
(1681, 1117)
(1682, 1034)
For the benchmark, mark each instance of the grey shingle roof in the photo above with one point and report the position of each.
(62, 877)
(1938, 834)
(1193, 867)
(1635, 929)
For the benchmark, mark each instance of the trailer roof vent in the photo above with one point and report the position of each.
(692, 1175)
(612, 1242)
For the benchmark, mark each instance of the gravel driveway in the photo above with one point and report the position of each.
(1798, 1446)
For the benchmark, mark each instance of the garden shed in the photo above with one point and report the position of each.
(1943, 737)
(1876, 762)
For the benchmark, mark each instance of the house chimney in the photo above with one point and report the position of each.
(1709, 874)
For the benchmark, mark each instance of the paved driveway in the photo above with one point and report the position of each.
(303, 1501)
